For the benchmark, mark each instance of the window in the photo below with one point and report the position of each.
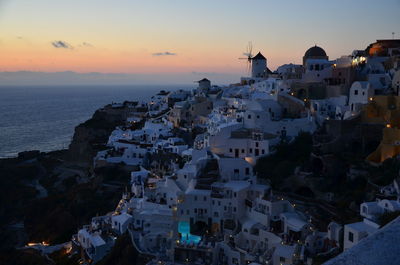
(242, 151)
(258, 116)
(356, 92)
(234, 194)
(224, 208)
(187, 212)
(364, 209)
(282, 259)
(247, 171)
(195, 210)
(181, 212)
(263, 151)
(219, 203)
(204, 198)
(213, 202)
(230, 150)
(256, 144)
(251, 150)
(234, 209)
(351, 237)
(248, 116)
(185, 176)
(195, 198)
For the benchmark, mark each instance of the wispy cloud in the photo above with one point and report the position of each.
(164, 54)
(86, 44)
(61, 44)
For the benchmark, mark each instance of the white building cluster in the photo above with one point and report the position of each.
(194, 198)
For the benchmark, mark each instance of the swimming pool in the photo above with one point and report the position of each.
(184, 229)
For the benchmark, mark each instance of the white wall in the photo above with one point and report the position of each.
(360, 92)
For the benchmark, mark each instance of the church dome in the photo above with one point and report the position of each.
(315, 52)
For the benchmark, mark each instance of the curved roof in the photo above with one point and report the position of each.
(315, 52)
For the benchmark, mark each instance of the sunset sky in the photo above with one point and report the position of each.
(178, 37)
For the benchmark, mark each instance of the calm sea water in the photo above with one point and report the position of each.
(44, 118)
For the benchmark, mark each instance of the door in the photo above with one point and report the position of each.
(236, 152)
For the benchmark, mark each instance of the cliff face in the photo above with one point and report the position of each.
(92, 135)
(43, 197)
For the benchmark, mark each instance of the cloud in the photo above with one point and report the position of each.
(62, 44)
(86, 44)
(164, 54)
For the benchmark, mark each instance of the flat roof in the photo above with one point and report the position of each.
(382, 247)
(237, 185)
(362, 226)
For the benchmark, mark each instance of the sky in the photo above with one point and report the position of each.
(150, 41)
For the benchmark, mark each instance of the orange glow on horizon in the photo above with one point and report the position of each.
(25, 55)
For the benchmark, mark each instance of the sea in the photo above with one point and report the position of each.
(44, 117)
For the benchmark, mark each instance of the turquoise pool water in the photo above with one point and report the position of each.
(184, 229)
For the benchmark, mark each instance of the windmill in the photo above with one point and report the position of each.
(249, 55)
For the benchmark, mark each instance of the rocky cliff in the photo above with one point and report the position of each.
(92, 135)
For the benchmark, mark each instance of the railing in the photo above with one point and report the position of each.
(216, 195)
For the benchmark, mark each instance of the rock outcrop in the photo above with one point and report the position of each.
(92, 135)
